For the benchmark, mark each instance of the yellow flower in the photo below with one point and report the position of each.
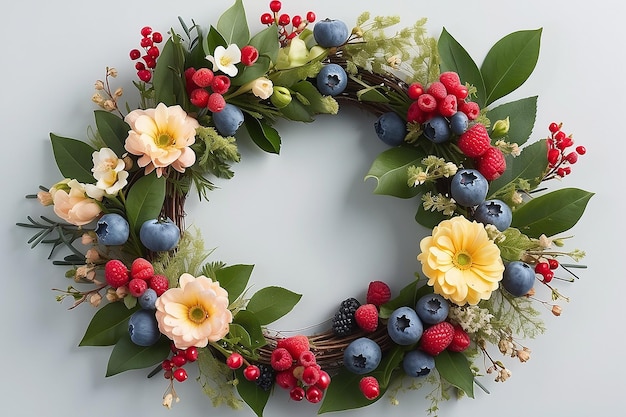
(460, 261)
(161, 137)
(194, 314)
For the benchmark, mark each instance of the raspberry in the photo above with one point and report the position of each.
(447, 107)
(461, 92)
(470, 108)
(216, 102)
(295, 345)
(343, 321)
(492, 164)
(366, 317)
(369, 387)
(460, 340)
(475, 141)
(203, 77)
(142, 269)
(378, 293)
(116, 273)
(159, 283)
(427, 103)
(137, 287)
(199, 97)
(307, 358)
(310, 375)
(286, 380)
(281, 359)
(415, 115)
(450, 80)
(266, 378)
(437, 90)
(437, 338)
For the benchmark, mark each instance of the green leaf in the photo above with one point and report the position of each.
(107, 325)
(167, 80)
(521, 113)
(233, 25)
(262, 134)
(515, 243)
(316, 102)
(251, 73)
(343, 393)
(113, 130)
(289, 77)
(509, 63)
(455, 58)
(408, 296)
(551, 213)
(238, 335)
(73, 157)
(429, 218)
(255, 397)
(266, 42)
(126, 355)
(145, 200)
(234, 279)
(390, 171)
(298, 112)
(271, 303)
(455, 368)
(250, 322)
(530, 165)
(212, 40)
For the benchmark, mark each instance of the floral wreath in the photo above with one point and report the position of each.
(479, 185)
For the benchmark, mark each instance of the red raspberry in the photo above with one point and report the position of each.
(220, 84)
(310, 375)
(189, 72)
(249, 55)
(492, 164)
(460, 340)
(475, 141)
(378, 293)
(415, 115)
(116, 273)
(461, 92)
(369, 387)
(307, 358)
(450, 80)
(366, 317)
(437, 90)
(295, 345)
(281, 359)
(203, 77)
(199, 97)
(427, 103)
(448, 106)
(159, 283)
(437, 338)
(471, 109)
(142, 269)
(216, 102)
(137, 286)
(286, 379)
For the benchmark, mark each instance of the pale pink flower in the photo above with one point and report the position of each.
(74, 205)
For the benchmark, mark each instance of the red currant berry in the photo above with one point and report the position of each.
(135, 54)
(167, 365)
(310, 17)
(234, 361)
(157, 37)
(324, 380)
(284, 19)
(267, 19)
(415, 90)
(180, 375)
(561, 172)
(554, 264)
(314, 394)
(542, 268)
(553, 156)
(191, 354)
(547, 277)
(174, 349)
(554, 127)
(140, 66)
(571, 157)
(252, 373)
(167, 374)
(153, 52)
(296, 20)
(146, 42)
(275, 6)
(297, 394)
(369, 387)
(150, 62)
(179, 359)
(559, 135)
(146, 31)
(581, 150)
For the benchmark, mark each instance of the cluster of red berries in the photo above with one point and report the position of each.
(559, 155)
(475, 143)
(283, 20)
(140, 277)
(440, 98)
(546, 269)
(151, 53)
(173, 366)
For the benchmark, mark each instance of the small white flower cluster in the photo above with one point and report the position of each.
(472, 319)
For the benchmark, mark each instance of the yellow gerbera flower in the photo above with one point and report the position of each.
(461, 262)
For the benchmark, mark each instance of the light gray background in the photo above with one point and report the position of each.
(307, 219)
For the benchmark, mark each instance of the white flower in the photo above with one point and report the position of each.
(262, 88)
(108, 170)
(225, 59)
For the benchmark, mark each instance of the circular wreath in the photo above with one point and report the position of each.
(478, 182)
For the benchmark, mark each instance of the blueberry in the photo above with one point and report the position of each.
(432, 308)
(390, 128)
(437, 129)
(518, 278)
(228, 120)
(112, 229)
(494, 212)
(362, 356)
(147, 299)
(469, 187)
(404, 326)
(417, 363)
(159, 235)
(330, 33)
(143, 328)
(459, 123)
(332, 80)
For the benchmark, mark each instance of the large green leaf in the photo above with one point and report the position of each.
(145, 200)
(113, 130)
(551, 213)
(455, 58)
(234, 279)
(266, 42)
(271, 303)
(530, 165)
(390, 171)
(107, 325)
(521, 113)
(73, 157)
(262, 134)
(251, 73)
(455, 368)
(126, 355)
(169, 87)
(252, 326)
(212, 40)
(255, 397)
(509, 63)
(233, 25)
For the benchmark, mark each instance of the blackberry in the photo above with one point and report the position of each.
(266, 379)
(343, 321)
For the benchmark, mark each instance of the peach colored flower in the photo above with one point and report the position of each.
(73, 203)
(461, 262)
(194, 314)
(162, 137)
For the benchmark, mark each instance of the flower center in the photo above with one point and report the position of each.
(225, 60)
(164, 140)
(197, 314)
(463, 260)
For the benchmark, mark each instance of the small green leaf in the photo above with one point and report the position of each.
(113, 130)
(408, 296)
(73, 157)
(255, 397)
(530, 165)
(107, 326)
(428, 218)
(514, 244)
(126, 355)
(145, 200)
(233, 25)
(390, 171)
(251, 73)
(317, 103)
(250, 322)
(521, 113)
(509, 63)
(234, 279)
(262, 134)
(455, 368)
(212, 40)
(271, 303)
(551, 213)
(343, 393)
(238, 335)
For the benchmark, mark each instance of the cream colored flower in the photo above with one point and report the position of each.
(225, 59)
(460, 261)
(262, 88)
(162, 137)
(73, 204)
(194, 314)
(108, 170)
